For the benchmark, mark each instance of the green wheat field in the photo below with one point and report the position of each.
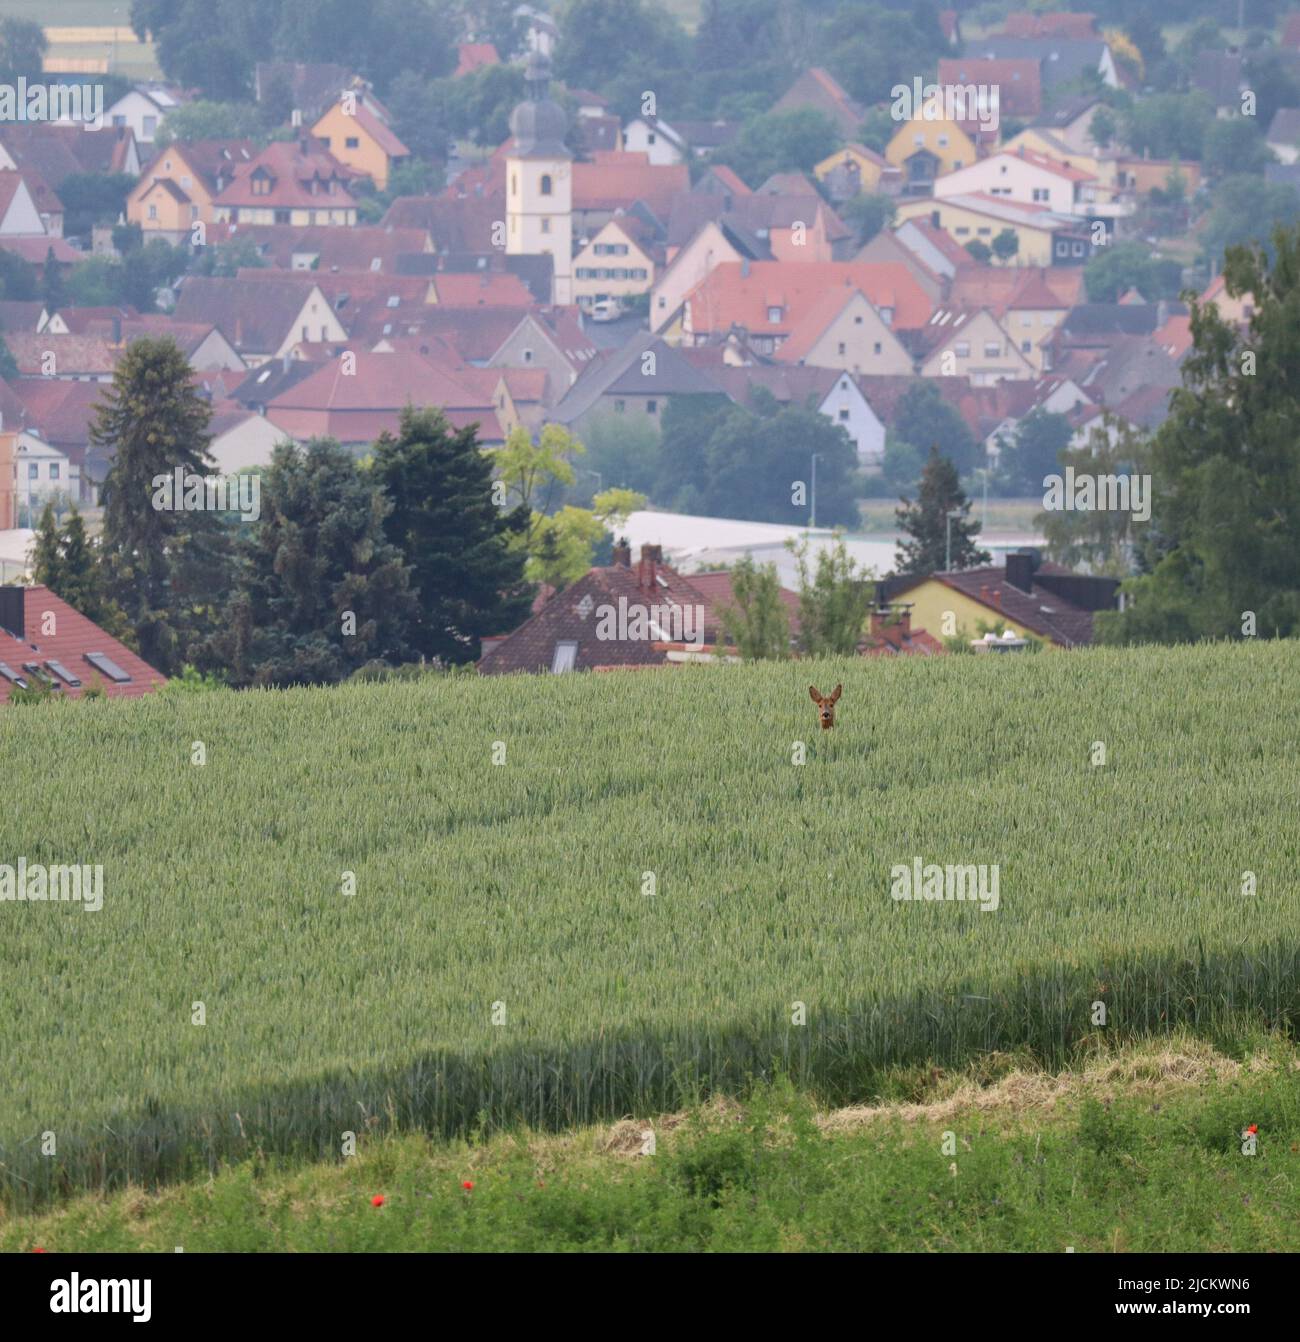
(503, 960)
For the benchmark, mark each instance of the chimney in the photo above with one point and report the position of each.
(285, 360)
(623, 554)
(1020, 570)
(651, 555)
(11, 611)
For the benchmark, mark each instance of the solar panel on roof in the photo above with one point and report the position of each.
(108, 666)
(10, 674)
(34, 668)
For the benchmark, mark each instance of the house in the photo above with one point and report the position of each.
(289, 182)
(1065, 63)
(19, 216)
(262, 317)
(358, 137)
(240, 437)
(142, 110)
(1027, 23)
(970, 343)
(1144, 175)
(770, 299)
(42, 473)
(42, 638)
(635, 381)
(657, 140)
(552, 340)
(1019, 175)
(355, 407)
(44, 355)
(843, 330)
(58, 152)
(1236, 310)
(819, 89)
(1018, 84)
(1283, 136)
(704, 137)
(179, 186)
(1043, 237)
(617, 263)
(61, 412)
(620, 616)
(887, 247)
(925, 150)
(855, 169)
(371, 249)
(616, 181)
(1033, 599)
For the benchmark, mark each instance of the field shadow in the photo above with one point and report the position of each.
(843, 1054)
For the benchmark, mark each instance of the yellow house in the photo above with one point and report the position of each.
(616, 263)
(1018, 597)
(965, 218)
(178, 188)
(356, 136)
(162, 210)
(1039, 141)
(973, 344)
(850, 170)
(923, 150)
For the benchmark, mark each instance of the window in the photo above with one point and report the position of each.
(185, 182)
(962, 349)
(1026, 346)
(565, 658)
(844, 416)
(1042, 193)
(961, 232)
(650, 139)
(877, 347)
(652, 407)
(546, 225)
(153, 212)
(619, 407)
(282, 216)
(34, 471)
(12, 676)
(992, 349)
(54, 470)
(857, 321)
(148, 126)
(943, 144)
(63, 673)
(1077, 249)
(663, 302)
(774, 314)
(841, 348)
(514, 184)
(546, 184)
(108, 666)
(194, 213)
(984, 232)
(351, 142)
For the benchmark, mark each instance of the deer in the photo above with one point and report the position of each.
(826, 705)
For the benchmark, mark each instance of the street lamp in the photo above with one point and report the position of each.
(812, 521)
(947, 554)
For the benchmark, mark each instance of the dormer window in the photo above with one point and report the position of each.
(774, 314)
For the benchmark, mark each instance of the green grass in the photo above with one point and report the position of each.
(523, 884)
(1143, 1162)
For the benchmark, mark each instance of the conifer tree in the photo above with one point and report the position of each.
(927, 522)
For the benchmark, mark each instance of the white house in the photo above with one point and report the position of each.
(242, 438)
(1024, 176)
(845, 405)
(657, 139)
(144, 109)
(41, 473)
(19, 216)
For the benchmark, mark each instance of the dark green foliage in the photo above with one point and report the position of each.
(65, 561)
(926, 420)
(164, 567)
(317, 561)
(926, 521)
(1033, 452)
(790, 141)
(467, 582)
(93, 198)
(1224, 467)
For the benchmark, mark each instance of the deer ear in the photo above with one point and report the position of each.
(836, 692)
(813, 695)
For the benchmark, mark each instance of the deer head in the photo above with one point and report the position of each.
(826, 705)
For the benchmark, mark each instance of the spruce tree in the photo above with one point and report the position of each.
(166, 566)
(467, 579)
(47, 554)
(322, 590)
(927, 522)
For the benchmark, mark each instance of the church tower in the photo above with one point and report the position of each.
(539, 181)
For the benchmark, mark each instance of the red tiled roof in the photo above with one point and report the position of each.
(620, 178)
(62, 411)
(291, 168)
(1019, 82)
(1024, 23)
(35, 247)
(73, 354)
(729, 296)
(74, 636)
(382, 134)
(484, 288)
(474, 56)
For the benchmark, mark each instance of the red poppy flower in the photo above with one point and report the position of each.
(468, 1186)
(377, 1200)
(1253, 1129)
(38, 1249)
